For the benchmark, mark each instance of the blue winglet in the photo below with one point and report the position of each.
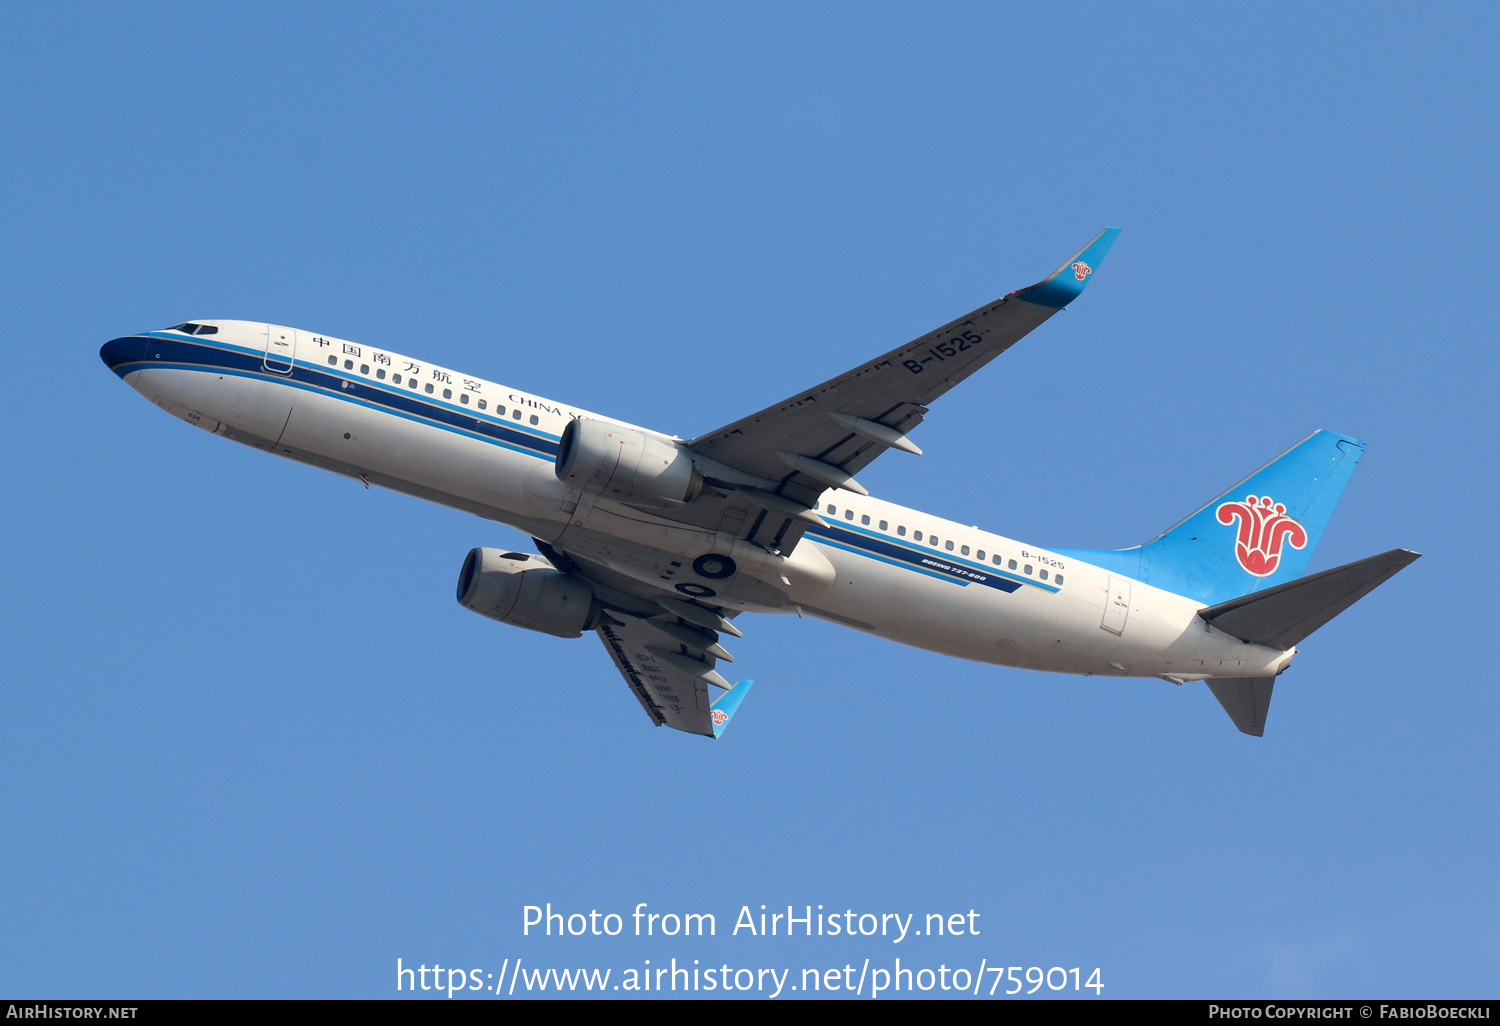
(1066, 283)
(722, 710)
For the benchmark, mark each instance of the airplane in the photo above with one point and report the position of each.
(655, 543)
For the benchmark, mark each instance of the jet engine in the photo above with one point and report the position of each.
(626, 465)
(526, 591)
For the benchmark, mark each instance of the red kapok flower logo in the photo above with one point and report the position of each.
(720, 717)
(1264, 527)
(1082, 270)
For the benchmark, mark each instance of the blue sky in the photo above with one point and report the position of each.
(254, 748)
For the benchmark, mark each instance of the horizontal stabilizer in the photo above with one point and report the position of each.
(1282, 616)
(1246, 700)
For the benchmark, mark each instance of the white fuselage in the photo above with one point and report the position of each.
(488, 449)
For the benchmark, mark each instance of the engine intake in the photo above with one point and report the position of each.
(526, 591)
(626, 465)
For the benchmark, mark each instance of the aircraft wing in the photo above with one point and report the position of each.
(670, 674)
(821, 437)
(664, 645)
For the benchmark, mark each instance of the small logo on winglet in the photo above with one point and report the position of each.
(1082, 270)
(720, 717)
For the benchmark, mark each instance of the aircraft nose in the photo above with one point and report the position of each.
(119, 353)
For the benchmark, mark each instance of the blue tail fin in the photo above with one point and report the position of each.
(1259, 533)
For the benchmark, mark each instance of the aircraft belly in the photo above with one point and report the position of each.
(1033, 628)
(964, 620)
(181, 392)
(473, 472)
(254, 410)
(404, 455)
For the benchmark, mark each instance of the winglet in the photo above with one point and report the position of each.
(1066, 283)
(723, 709)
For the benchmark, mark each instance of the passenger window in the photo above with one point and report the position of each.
(499, 411)
(333, 361)
(948, 546)
(364, 368)
(1059, 580)
(885, 525)
(1028, 568)
(348, 365)
(979, 555)
(1013, 564)
(848, 514)
(515, 414)
(380, 373)
(535, 419)
(916, 535)
(932, 540)
(481, 404)
(901, 530)
(832, 508)
(865, 521)
(428, 388)
(412, 384)
(396, 378)
(964, 550)
(995, 559)
(447, 393)
(463, 397)
(1042, 575)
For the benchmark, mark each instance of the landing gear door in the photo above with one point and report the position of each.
(281, 348)
(1116, 605)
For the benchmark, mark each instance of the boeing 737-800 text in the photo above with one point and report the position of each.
(656, 543)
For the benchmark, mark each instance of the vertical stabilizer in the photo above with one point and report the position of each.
(1260, 533)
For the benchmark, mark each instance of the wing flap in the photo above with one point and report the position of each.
(672, 687)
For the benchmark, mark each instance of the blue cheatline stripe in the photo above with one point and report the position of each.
(959, 571)
(904, 565)
(181, 354)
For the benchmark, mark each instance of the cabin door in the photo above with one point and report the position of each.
(281, 348)
(1116, 605)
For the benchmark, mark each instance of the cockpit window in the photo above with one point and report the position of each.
(188, 327)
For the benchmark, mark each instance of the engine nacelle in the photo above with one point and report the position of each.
(626, 465)
(526, 591)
